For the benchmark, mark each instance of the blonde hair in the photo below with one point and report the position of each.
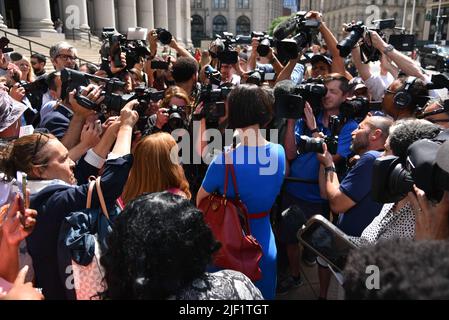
(177, 92)
(30, 77)
(153, 170)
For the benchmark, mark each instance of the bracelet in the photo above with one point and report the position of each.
(389, 48)
(330, 169)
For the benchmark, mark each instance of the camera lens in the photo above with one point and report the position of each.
(164, 36)
(307, 144)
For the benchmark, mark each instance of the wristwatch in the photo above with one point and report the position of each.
(330, 169)
(388, 49)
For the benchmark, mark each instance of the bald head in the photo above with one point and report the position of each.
(380, 123)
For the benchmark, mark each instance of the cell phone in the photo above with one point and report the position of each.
(159, 65)
(327, 241)
(22, 190)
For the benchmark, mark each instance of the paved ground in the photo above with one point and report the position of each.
(310, 288)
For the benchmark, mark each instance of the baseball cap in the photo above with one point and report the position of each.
(10, 110)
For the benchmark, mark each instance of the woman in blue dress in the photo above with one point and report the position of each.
(260, 170)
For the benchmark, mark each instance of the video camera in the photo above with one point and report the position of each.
(425, 168)
(214, 106)
(114, 100)
(308, 144)
(134, 45)
(291, 105)
(305, 30)
(357, 31)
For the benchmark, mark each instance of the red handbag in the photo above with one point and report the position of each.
(228, 220)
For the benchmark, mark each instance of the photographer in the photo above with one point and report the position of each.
(167, 118)
(305, 166)
(67, 121)
(38, 62)
(338, 63)
(185, 74)
(351, 198)
(404, 97)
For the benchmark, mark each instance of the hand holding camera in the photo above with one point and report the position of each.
(17, 92)
(162, 118)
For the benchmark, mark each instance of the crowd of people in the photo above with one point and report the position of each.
(318, 161)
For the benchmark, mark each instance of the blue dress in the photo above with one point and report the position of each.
(260, 172)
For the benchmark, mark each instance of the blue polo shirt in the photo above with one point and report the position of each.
(306, 166)
(357, 186)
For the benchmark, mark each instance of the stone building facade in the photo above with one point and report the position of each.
(210, 17)
(36, 17)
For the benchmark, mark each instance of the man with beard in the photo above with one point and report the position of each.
(352, 197)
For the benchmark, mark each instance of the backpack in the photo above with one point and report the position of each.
(82, 239)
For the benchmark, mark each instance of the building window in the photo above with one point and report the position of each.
(197, 26)
(220, 4)
(243, 4)
(197, 4)
(220, 25)
(243, 26)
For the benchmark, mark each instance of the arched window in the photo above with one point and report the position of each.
(197, 26)
(243, 26)
(220, 25)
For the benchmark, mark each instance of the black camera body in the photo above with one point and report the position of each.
(223, 47)
(259, 76)
(305, 30)
(164, 36)
(214, 106)
(357, 32)
(177, 117)
(308, 144)
(265, 43)
(392, 180)
(213, 75)
(114, 99)
(118, 43)
(355, 109)
(4, 42)
(291, 106)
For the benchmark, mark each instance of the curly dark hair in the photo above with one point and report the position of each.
(159, 245)
(405, 132)
(408, 270)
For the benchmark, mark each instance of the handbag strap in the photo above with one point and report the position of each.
(101, 198)
(90, 192)
(230, 168)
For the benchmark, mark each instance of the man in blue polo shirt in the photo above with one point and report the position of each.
(352, 197)
(305, 166)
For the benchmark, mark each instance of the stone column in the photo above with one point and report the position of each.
(188, 25)
(174, 19)
(208, 19)
(232, 21)
(127, 15)
(104, 14)
(145, 14)
(2, 23)
(75, 13)
(36, 17)
(161, 14)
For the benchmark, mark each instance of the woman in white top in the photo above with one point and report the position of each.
(397, 220)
